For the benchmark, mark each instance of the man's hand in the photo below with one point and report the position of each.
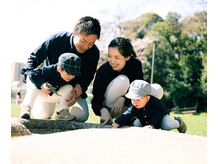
(75, 93)
(105, 117)
(78, 90)
(72, 99)
(118, 106)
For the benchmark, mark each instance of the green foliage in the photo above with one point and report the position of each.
(180, 57)
(196, 24)
(148, 24)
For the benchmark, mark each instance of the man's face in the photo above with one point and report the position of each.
(84, 42)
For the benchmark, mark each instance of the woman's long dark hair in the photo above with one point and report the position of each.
(124, 46)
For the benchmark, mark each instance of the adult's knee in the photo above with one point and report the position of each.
(80, 113)
(116, 88)
(43, 110)
(124, 80)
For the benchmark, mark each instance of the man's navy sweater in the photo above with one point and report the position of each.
(59, 43)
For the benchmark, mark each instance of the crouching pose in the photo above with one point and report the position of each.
(113, 78)
(148, 109)
(50, 85)
(80, 42)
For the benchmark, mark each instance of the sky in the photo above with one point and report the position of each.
(33, 21)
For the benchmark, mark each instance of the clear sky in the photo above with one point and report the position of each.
(32, 21)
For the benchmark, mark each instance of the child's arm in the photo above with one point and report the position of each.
(116, 125)
(149, 127)
(125, 117)
(52, 89)
(44, 87)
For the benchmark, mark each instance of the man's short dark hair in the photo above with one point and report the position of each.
(88, 25)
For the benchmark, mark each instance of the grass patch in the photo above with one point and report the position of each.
(196, 124)
(15, 112)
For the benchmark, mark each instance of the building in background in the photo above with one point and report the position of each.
(17, 84)
(15, 71)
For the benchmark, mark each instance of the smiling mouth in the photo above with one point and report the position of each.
(113, 66)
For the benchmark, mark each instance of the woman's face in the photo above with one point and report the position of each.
(116, 59)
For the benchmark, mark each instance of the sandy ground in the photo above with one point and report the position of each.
(110, 146)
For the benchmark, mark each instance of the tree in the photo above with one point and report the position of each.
(180, 58)
(141, 25)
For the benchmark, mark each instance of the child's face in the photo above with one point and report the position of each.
(140, 103)
(66, 76)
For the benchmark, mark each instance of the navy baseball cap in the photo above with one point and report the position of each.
(71, 63)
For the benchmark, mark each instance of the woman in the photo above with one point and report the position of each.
(113, 79)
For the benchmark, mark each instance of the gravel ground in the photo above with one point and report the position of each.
(110, 146)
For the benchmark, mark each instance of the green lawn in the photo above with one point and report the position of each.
(196, 124)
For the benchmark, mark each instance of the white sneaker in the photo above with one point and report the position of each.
(64, 115)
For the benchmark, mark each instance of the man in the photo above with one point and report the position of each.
(82, 43)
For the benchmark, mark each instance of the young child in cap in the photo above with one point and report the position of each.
(148, 109)
(50, 85)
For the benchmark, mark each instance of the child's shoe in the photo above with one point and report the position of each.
(182, 126)
(64, 115)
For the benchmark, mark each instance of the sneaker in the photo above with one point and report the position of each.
(25, 112)
(182, 126)
(64, 115)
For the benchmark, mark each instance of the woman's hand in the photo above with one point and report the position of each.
(105, 117)
(117, 107)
